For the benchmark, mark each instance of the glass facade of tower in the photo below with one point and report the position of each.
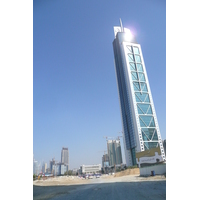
(114, 152)
(144, 109)
(140, 126)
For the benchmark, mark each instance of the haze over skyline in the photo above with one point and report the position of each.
(75, 97)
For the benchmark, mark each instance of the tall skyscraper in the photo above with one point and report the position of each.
(140, 126)
(65, 156)
(114, 152)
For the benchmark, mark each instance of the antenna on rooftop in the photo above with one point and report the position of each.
(122, 28)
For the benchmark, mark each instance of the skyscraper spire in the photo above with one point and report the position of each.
(122, 28)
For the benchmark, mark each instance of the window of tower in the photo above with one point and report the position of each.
(136, 86)
(144, 108)
(139, 67)
(141, 76)
(149, 134)
(146, 121)
(134, 76)
(142, 97)
(137, 59)
(136, 50)
(132, 66)
(130, 50)
(144, 87)
(131, 58)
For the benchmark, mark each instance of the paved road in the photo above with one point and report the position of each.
(129, 190)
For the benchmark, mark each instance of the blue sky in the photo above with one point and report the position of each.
(75, 97)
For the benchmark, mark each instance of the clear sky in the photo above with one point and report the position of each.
(75, 97)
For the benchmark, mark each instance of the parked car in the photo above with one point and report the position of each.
(85, 176)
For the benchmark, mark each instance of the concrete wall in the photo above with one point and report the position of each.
(158, 169)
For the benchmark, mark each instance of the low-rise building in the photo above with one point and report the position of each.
(90, 169)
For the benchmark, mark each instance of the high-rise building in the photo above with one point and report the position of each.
(140, 126)
(44, 167)
(105, 160)
(114, 152)
(65, 156)
(51, 163)
(35, 167)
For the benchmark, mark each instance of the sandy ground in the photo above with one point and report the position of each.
(75, 180)
(110, 187)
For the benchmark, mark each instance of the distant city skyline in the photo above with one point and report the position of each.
(75, 97)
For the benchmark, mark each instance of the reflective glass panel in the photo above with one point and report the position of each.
(149, 111)
(150, 145)
(132, 66)
(148, 120)
(152, 124)
(136, 50)
(145, 108)
(129, 49)
(142, 124)
(137, 59)
(134, 76)
(130, 57)
(149, 134)
(155, 136)
(139, 67)
(141, 76)
(144, 87)
(136, 86)
(142, 97)
(138, 99)
(140, 111)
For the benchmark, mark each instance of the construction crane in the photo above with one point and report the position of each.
(112, 138)
(103, 151)
(119, 137)
(109, 137)
(121, 132)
